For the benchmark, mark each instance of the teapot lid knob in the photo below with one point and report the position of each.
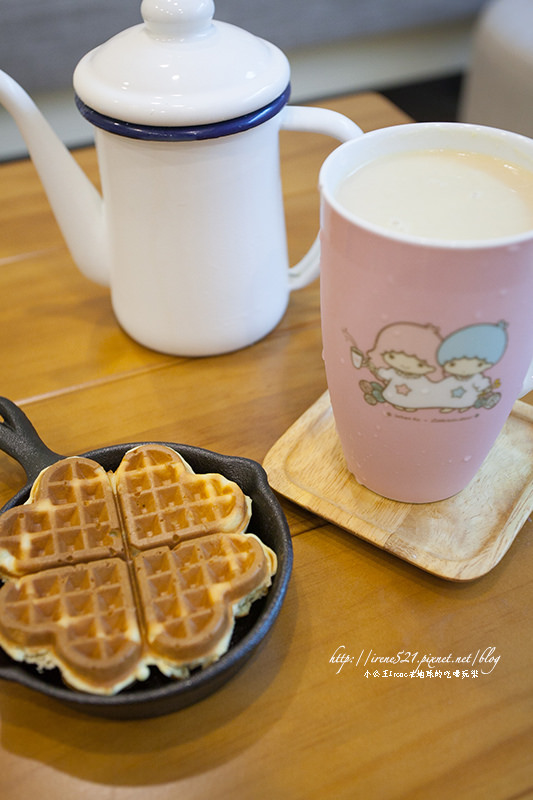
(177, 18)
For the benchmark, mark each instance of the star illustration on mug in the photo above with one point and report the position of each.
(403, 389)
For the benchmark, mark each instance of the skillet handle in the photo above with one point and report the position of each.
(20, 440)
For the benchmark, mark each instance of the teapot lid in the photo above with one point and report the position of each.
(180, 68)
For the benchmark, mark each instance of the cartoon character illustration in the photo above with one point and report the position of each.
(464, 356)
(415, 368)
(403, 359)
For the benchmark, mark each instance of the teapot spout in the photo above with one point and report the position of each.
(76, 203)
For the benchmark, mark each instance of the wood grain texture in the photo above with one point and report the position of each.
(291, 725)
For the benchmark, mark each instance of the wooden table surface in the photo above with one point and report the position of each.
(292, 723)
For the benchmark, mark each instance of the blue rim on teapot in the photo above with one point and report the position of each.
(158, 133)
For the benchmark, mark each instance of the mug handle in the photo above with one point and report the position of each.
(315, 120)
(527, 386)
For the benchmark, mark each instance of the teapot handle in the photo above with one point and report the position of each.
(330, 123)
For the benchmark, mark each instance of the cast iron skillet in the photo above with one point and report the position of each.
(157, 695)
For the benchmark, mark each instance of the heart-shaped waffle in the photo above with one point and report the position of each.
(104, 620)
(191, 594)
(82, 619)
(70, 516)
(164, 502)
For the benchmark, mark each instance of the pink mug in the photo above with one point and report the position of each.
(427, 342)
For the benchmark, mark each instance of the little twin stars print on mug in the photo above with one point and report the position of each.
(413, 366)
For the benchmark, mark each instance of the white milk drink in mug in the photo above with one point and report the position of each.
(442, 194)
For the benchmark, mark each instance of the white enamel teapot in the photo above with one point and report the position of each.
(190, 232)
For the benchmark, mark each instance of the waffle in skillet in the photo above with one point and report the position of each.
(164, 502)
(71, 516)
(108, 575)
